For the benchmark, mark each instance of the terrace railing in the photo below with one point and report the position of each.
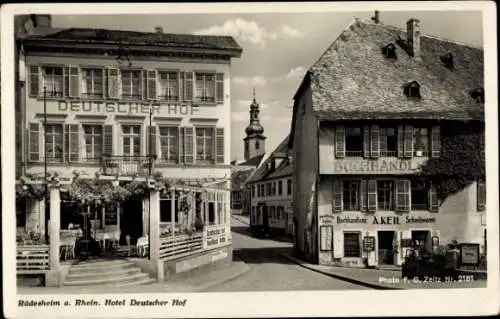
(180, 245)
(32, 259)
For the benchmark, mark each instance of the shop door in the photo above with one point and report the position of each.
(265, 218)
(386, 247)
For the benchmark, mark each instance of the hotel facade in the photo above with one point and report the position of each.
(371, 115)
(130, 107)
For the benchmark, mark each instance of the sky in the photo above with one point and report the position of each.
(278, 48)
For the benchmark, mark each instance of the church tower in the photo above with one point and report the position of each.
(255, 140)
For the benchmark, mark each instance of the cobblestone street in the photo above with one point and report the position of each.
(269, 270)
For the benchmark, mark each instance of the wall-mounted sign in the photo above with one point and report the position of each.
(369, 243)
(127, 108)
(381, 165)
(469, 254)
(326, 236)
(215, 236)
(385, 220)
(111, 214)
(326, 219)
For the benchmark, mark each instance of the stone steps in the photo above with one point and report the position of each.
(115, 273)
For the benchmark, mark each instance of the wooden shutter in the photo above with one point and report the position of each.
(408, 141)
(151, 85)
(113, 83)
(73, 88)
(107, 140)
(219, 87)
(188, 86)
(151, 140)
(219, 146)
(383, 141)
(144, 85)
(181, 86)
(435, 141)
(34, 134)
(35, 80)
(181, 144)
(362, 196)
(74, 142)
(188, 145)
(372, 195)
(366, 141)
(401, 141)
(402, 195)
(337, 196)
(104, 83)
(375, 141)
(66, 143)
(433, 198)
(340, 141)
(481, 196)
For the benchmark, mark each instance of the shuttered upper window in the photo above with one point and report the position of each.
(131, 84)
(205, 144)
(53, 81)
(93, 142)
(169, 86)
(388, 141)
(54, 143)
(385, 195)
(169, 144)
(419, 195)
(350, 195)
(420, 141)
(205, 87)
(353, 141)
(92, 83)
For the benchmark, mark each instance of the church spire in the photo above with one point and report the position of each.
(255, 139)
(254, 127)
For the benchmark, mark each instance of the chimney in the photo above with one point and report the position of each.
(41, 20)
(413, 34)
(376, 17)
(158, 30)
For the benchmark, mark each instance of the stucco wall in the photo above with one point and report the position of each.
(305, 150)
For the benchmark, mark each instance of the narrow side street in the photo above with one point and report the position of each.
(268, 269)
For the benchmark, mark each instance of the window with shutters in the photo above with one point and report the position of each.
(93, 142)
(34, 78)
(205, 145)
(481, 195)
(54, 142)
(419, 195)
(205, 87)
(169, 85)
(92, 83)
(388, 142)
(289, 187)
(420, 141)
(352, 244)
(219, 145)
(169, 144)
(273, 188)
(131, 140)
(353, 142)
(131, 84)
(350, 195)
(53, 81)
(149, 84)
(280, 188)
(385, 195)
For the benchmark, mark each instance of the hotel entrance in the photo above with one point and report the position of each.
(131, 221)
(386, 251)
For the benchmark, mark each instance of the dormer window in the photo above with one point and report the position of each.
(412, 90)
(447, 60)
(478, 95)
(389, 51)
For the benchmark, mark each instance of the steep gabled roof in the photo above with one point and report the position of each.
(354, 80)
(254, 161)
(103, 36)
(262, 172)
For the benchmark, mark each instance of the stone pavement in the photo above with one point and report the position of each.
(380, 279)
(197, 283)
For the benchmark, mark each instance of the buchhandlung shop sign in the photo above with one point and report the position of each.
(375, 166)
(95, 107)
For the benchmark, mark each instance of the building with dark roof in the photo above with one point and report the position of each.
(270, 193)
(371, 115)
(128, 108)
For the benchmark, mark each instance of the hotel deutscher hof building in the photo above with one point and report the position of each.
(378, 106)
(114, 101)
